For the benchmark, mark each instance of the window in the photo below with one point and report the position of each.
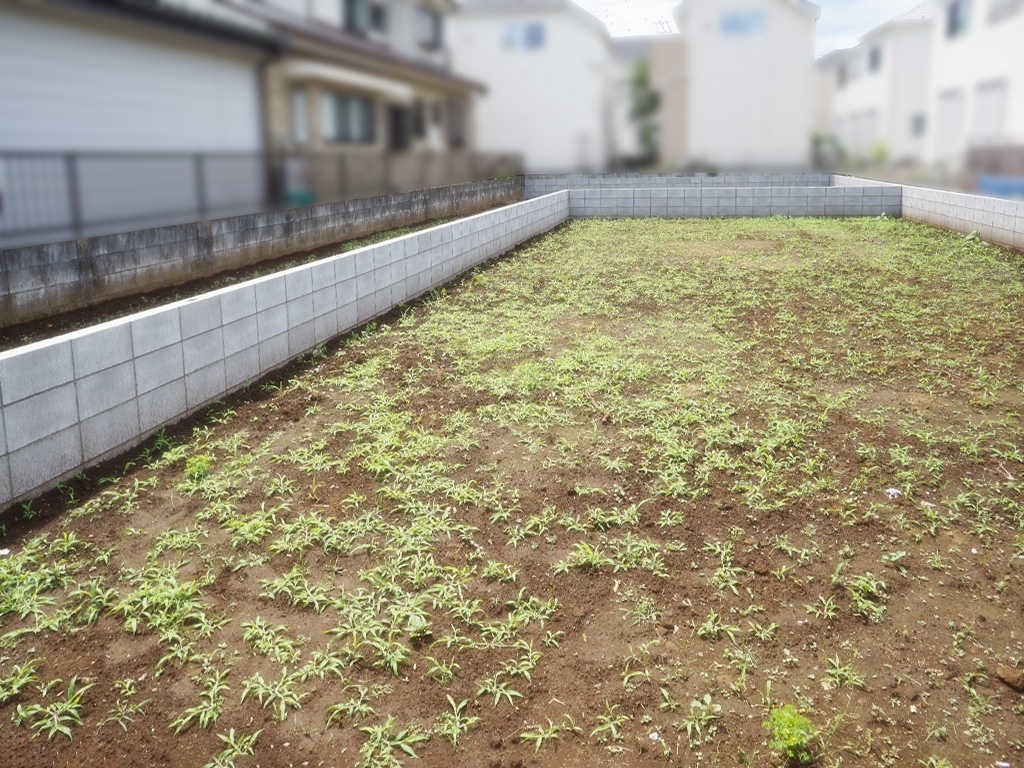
(456, 124)
(842, 75)
(347, 119)
(918, 123)
(742, 24)
(875, 59)
(528, 35)
(300, 116)
(1003, 9)
(419, 120)
(378, 18)
(356, 16)
(989, 112)
(399, 127)
(428, 28)
(958, 15)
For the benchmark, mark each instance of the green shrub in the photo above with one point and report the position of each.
(792, 734)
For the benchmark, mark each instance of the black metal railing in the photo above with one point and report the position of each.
(50, 196)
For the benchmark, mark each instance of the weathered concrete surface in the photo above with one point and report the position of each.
(38, 281)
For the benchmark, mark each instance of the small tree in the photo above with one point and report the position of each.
(644, 104)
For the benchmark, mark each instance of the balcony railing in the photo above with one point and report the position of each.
(48, 197)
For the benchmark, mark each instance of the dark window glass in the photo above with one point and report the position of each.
(419, 120)
(875, 59)
(347, 119)
(428, 28)
(379, 18)
(917, 125)
(958, 16)
(533, 36)
(456, 124)
(357, 16)
(399, 127)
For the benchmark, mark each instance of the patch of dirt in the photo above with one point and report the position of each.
(698, 497)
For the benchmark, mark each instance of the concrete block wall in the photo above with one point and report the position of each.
(80, 273)
(997, 221)
(70, 402)
(705, 202)
(541, 184)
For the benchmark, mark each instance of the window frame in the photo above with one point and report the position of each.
(344, 119)
(429, 28)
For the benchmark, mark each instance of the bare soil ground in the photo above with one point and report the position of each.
(679, 493)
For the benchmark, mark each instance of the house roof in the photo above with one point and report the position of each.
(204, 16)
(917, 14)
(358, 49)
(499, 7)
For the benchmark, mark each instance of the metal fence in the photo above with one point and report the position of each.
(48, 197)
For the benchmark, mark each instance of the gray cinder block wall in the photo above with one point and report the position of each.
(705, 202)
(80, 273)
(544, 183)
(70, 402)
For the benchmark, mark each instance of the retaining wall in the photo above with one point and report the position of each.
(705, 202)
(70, 402)
(79, 273)
(537, 184)
(997, 221)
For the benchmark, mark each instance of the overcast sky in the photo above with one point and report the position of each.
(841, 22)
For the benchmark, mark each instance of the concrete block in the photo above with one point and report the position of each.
(273, 352)
(199, 315)
(270, 292)
(101, 346)
(366, 307)
(242, 367)
(272, 322)
(34, 418)
(203, 350)
(155, 330)
(241, 334)
(238, 302)
(107, 431)
(205, 384)
(27, 371)
(5, 480)
(298, 283)
(40, 463)
(344, 267)
(158, 367)
(105, 389)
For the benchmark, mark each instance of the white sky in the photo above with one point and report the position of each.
(841, 22)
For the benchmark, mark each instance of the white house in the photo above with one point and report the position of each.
(747, 86)
(976, 93)
(552, 80)
(877, 92)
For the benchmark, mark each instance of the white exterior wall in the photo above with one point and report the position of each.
(73, 82)
(985, 53)
(751, 98)
(551, 104)
(877, 108)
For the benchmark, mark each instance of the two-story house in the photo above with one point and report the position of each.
(976, 92)
(553, 80)
(364, 100)
(877, 92)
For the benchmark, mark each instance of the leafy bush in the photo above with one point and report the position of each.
(792, 734)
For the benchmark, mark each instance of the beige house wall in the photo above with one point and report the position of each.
(669, 78)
